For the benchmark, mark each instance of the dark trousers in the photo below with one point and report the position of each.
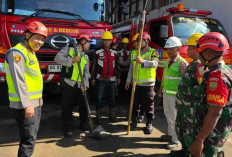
(123, 94)
(144, 97)
(102, 87)
(71, 95)
(28, 129)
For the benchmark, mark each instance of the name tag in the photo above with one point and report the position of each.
(112, 54)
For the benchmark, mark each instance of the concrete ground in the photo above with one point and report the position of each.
(51, 142)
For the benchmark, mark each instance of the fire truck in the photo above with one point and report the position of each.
(181, 22)
(64, 19)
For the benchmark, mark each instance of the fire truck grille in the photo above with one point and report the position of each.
(46, 57)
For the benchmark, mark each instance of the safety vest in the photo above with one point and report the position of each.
(106, 63)
(73, 72)
(172, 76)
(144, 75)
(32, 74)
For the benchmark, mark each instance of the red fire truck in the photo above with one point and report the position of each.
(64, 19)
(180, 22)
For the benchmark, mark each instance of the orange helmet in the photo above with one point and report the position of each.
(37, 28)
(212, 40)
(83, 36)
(115, 40)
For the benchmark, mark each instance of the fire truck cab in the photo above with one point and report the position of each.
(181, 22)
(64, 19)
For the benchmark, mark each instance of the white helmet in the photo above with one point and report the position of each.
(173, 42)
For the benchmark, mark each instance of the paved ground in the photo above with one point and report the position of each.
(51, 142)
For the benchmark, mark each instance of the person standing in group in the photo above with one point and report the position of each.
(106, 72)
(213, 99)
(145, 81)
(71, 87)
(174, 69)
(25, 85)
(123, 66)
(186, 91)
(114, 44)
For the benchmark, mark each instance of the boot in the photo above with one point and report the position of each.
(112, 115)
(148, 128)
(98, 116)
(133, 124)
(68, 130)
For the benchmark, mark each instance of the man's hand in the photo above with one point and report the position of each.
(93, 82)
(197, 148)
(139, 60)
(41, 102)
(76, 59)
(118, 81)
(160, 93)
(29, 111)
(83, 89)
(127, 86)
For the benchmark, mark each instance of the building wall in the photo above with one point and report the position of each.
(221, 10)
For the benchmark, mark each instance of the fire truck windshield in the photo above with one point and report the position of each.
(184, 27)
(91, 10)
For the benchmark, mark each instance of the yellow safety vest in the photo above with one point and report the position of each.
(32, 75)
(144, 75)
(75, 71)
(172, 76)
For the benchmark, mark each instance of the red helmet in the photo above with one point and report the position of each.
(83, 36)
(146, 36)
(212, 40)
(115, 40)
(37, 28)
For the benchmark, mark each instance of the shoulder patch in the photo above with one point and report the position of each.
(213, 86)
(17, 58)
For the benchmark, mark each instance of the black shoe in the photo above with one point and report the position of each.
(113, 118)
(141, 119)
(133, 125)
(177, 153)
(166, 138)
(68, 131)
(148, 129)
(84, 127)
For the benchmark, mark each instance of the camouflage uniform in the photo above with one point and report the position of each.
(220, 86)
(186, 91)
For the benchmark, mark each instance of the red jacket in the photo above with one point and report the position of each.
(105, 63)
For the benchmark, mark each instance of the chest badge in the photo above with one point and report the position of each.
(31, 61)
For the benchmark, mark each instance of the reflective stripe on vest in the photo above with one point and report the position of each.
(84, 61)
(172, 77)
(144, 75)
(32, 75)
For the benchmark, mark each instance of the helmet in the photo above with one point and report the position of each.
(212, 40)
(83, 36)
(37, 28)
(107, 35)
(115, 40)
(194, 38)
(135, 37)
(173, 42)
(125, 41)
(146, 36)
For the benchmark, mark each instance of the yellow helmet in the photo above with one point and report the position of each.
(194, 38)
(125, 41)
(135, 37)
(107, 35)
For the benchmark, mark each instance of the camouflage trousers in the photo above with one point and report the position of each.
(185, 133)
(184, 129)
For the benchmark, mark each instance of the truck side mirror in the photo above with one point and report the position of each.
(164, 31)
(95, 6)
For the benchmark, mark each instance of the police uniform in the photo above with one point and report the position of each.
(145, 81)
(25, 85)
(71, 83)
(215, 90)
